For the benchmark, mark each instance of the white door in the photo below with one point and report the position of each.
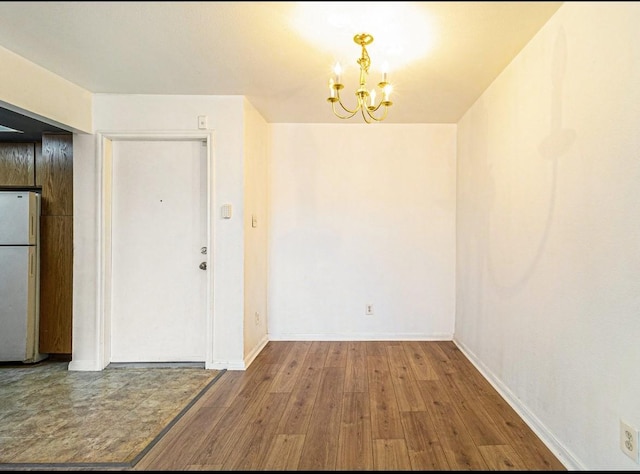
(158, 290)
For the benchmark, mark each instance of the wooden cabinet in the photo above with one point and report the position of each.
(17, 164)
(54, 174)
(56, 284)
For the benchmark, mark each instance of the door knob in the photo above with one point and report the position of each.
(203, 266)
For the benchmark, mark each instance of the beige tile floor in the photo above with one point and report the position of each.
(52, 416)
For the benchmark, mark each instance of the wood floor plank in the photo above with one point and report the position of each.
(224, 391)
(274, 353)
(459, 448)
(439, 360)
(502, 458)
(404, 383)
(423, 444)
(385, 413)
(303, 396)
(181, 443)
(285, 452)
(420, 365)
(337, 354)
(354, 446)
(320, 448)
(390, 455)
(249, 451)
(376, 348)
(219, 441)
(204, 467)
(356, 370)
(479, 423)
(286, 378)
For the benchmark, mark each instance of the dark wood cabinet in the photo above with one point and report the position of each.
(56, 284)
(17, 164)
(54, 174)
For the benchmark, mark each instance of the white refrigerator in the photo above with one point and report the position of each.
(19, 276)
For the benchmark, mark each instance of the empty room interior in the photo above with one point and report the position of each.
(469, 175)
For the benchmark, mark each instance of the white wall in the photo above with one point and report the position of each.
(255, 261)
(548, 256)
(361, 214)
(149, 113)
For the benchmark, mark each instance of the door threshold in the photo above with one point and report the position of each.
(155, 365)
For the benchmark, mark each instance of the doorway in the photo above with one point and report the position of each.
(156, 239)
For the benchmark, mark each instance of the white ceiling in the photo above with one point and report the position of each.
(256, 49)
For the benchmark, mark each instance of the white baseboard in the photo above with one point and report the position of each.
(360, 337)
(84, 366)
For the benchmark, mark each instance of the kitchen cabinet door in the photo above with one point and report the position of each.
(17, 161)
(54, 172)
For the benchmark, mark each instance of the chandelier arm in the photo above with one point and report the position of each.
(366, 116)
(351, 113)
(345, 108)
(373, 117)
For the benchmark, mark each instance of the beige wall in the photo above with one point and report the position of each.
(548, 272)
(33, 91)
(255, 254)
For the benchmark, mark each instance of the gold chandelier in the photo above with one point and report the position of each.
(366, 99)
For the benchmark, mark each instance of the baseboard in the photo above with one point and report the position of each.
(256, 350)
(84, 366)
(361, 337)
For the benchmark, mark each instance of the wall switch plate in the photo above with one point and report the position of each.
(226, 211)
(368, 309)
(629, 440)
(202, 122)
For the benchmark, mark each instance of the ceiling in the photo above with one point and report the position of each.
(278, 54)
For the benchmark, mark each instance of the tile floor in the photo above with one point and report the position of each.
(50, 415)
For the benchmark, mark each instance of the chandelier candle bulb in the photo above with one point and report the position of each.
(338, 70)
(373, 97)
(387, 91)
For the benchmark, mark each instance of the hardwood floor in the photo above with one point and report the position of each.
(352, 406)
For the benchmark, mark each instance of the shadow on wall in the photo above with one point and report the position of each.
(556, 144)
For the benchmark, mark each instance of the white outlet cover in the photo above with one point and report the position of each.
(629, 440)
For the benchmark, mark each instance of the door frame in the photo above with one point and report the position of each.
(105, 196)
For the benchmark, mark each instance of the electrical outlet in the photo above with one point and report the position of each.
(368, 309)
(629, 440)
(257, 318)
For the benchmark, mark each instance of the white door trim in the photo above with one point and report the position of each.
(103, 241)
